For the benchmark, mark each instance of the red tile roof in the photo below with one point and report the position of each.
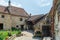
(14, 10)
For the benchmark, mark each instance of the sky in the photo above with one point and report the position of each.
(35, 7)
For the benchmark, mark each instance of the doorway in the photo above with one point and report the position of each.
(30, 27)
(22, 27)
(46, 31)
(1, 26)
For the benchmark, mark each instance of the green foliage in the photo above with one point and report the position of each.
(3, 34)
(14, 29)
(9, 34)
(38, 34)
(6, 34)
(19, 32)
(1, 38)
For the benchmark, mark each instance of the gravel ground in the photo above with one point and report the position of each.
(26, 36)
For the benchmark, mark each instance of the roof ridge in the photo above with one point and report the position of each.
(14, 10)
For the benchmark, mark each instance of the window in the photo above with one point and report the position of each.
(21, 19)
(17, 26)
(2, 16)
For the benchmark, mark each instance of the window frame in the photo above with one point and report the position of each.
(21, 19)
(2, 16)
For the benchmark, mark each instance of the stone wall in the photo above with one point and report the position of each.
(16, 21)
(6, 21)
(12, 21)
(38, 26)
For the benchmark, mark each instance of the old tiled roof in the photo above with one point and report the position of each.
(35, 18)
(14, 11)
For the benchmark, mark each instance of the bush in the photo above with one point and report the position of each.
(1, 37)
(19, 33)
(5, 34)
(14, 29)
(37, 34)
(9, 34)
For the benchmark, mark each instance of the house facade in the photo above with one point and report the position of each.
(40, 23)
(19, 18)
(11, 16)
(16, 17)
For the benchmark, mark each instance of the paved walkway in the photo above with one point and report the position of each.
(27, 35)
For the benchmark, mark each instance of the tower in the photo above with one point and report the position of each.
(9, 3)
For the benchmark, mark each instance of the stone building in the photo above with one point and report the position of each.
(55, 20)
(11, 16)
(40, 23)
(33, 21)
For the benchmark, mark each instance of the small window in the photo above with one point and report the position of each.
(21, 19)
(17, 26)
(2, 16)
